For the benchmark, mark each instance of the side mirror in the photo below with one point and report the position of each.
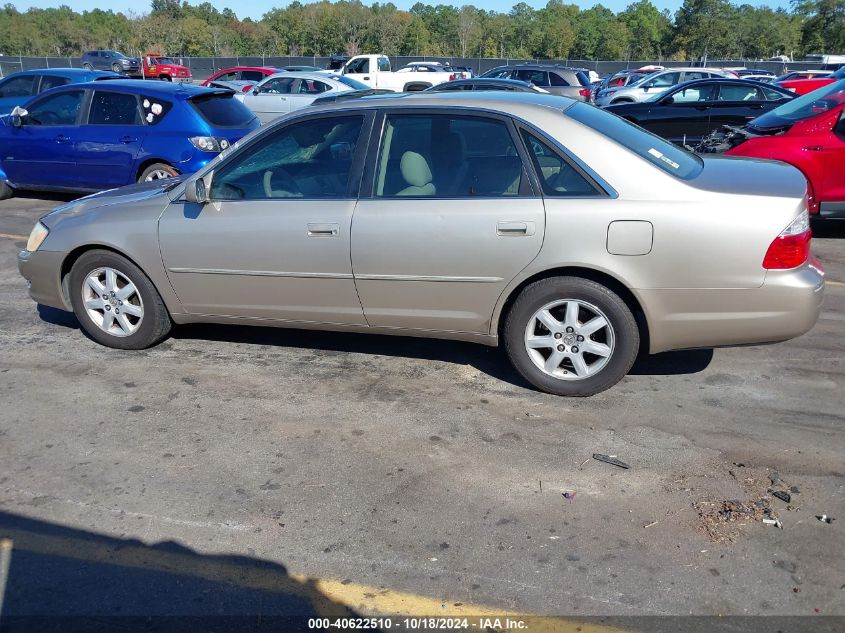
(255, 91)
(668, 100)
(18, 113)
(646, 88)
(197, 190)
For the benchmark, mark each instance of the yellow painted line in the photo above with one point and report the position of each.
(328, 598)
(12, 236)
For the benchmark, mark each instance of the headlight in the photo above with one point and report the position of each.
(209, 143)
(39, 233)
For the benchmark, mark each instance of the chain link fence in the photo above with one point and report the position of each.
(203, 67)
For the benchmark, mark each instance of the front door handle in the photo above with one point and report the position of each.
(323, 230)
(366, 78)
(128, 139)
(62, 139)
(514, 228)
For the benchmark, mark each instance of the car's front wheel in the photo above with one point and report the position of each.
(5, 190)
(116, 68)
(157, 171)
(115, 302)
(571, 336)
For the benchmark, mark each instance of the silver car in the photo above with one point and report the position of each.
(288, 91)
(563, 232)
(650, 84)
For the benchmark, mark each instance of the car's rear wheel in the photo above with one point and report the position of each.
(116, 68)
(157, 171)
(571, 336)
(87, 66)
(5, 190)
(115, 303)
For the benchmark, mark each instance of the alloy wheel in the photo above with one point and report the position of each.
(112, 302)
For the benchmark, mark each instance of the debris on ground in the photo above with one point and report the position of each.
(783, 496)
(775, 522)
(825, 519)
(610, 459)
(569, 496)
(723, 521)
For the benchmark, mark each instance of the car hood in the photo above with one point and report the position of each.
(122, 195)
(750, 177)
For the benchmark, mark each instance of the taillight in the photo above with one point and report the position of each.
(791, 248)
(246, 89)
(584, 92)
(452, 77)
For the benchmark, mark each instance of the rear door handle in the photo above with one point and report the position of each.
(814, 148)
(323, 230)
(514, 228)
(128, 139)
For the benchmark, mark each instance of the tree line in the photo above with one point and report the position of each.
(715, 28)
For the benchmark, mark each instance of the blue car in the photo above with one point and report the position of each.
(95, 136)
(20, 87)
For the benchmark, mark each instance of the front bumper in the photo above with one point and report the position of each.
(42, 272)
(787, 305)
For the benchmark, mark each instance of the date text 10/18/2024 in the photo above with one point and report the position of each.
(420, 623)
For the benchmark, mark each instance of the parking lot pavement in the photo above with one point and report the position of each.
(424, 467)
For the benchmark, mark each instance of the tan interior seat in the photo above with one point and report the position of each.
(417, 173)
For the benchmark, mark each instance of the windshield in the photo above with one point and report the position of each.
(803, 107)
(163, 60)
(659, 152)
(357, 85)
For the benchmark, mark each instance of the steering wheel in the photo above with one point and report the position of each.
(289, 187)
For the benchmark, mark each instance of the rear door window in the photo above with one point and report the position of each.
(51, 81)
(252, 75)
(741, 93)
(222, 110)
(447, 156)
(114, 108)
(536, 77)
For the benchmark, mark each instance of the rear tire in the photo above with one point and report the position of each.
(157, 171)
(590, 343)
(116, 68)
(132, 314)
(5, 191)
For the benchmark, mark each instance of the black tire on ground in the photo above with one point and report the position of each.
(165, 78)
(155, 323)
(162, 167)
(540, 293)
(5, 190)
(116, 68)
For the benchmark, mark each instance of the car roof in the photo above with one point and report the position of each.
(303, 74)
(486, 80)
(67, 72)
(547, 67)
(742, 81)
(514, 103)
(146, 87)
(231, 68)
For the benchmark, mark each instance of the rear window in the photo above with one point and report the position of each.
(222, 110)
(660, 153)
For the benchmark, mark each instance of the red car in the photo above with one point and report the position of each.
(805, 85)
(239, 78)
(808, 133)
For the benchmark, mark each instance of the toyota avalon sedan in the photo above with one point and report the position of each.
(564, 233)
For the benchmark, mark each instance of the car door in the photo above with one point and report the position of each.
(684, 115)
(270, 99)
(448, 221)
(831, 194)
(737, 104)
(360, 70)
(304, 91)
(108, 143)
(42, 151)
(273, 242)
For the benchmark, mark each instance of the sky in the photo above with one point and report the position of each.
(256, 8)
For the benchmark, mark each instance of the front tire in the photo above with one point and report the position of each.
(115, 303)
(571, 336)
(157, 171)
(5, 190)
(116, 68)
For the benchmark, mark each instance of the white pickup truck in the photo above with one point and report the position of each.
(375, 71)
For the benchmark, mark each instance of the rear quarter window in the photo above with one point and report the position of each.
(222, 110)
(154, 109)
(660, 153)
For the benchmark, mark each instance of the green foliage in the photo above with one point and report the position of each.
(716, 28)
